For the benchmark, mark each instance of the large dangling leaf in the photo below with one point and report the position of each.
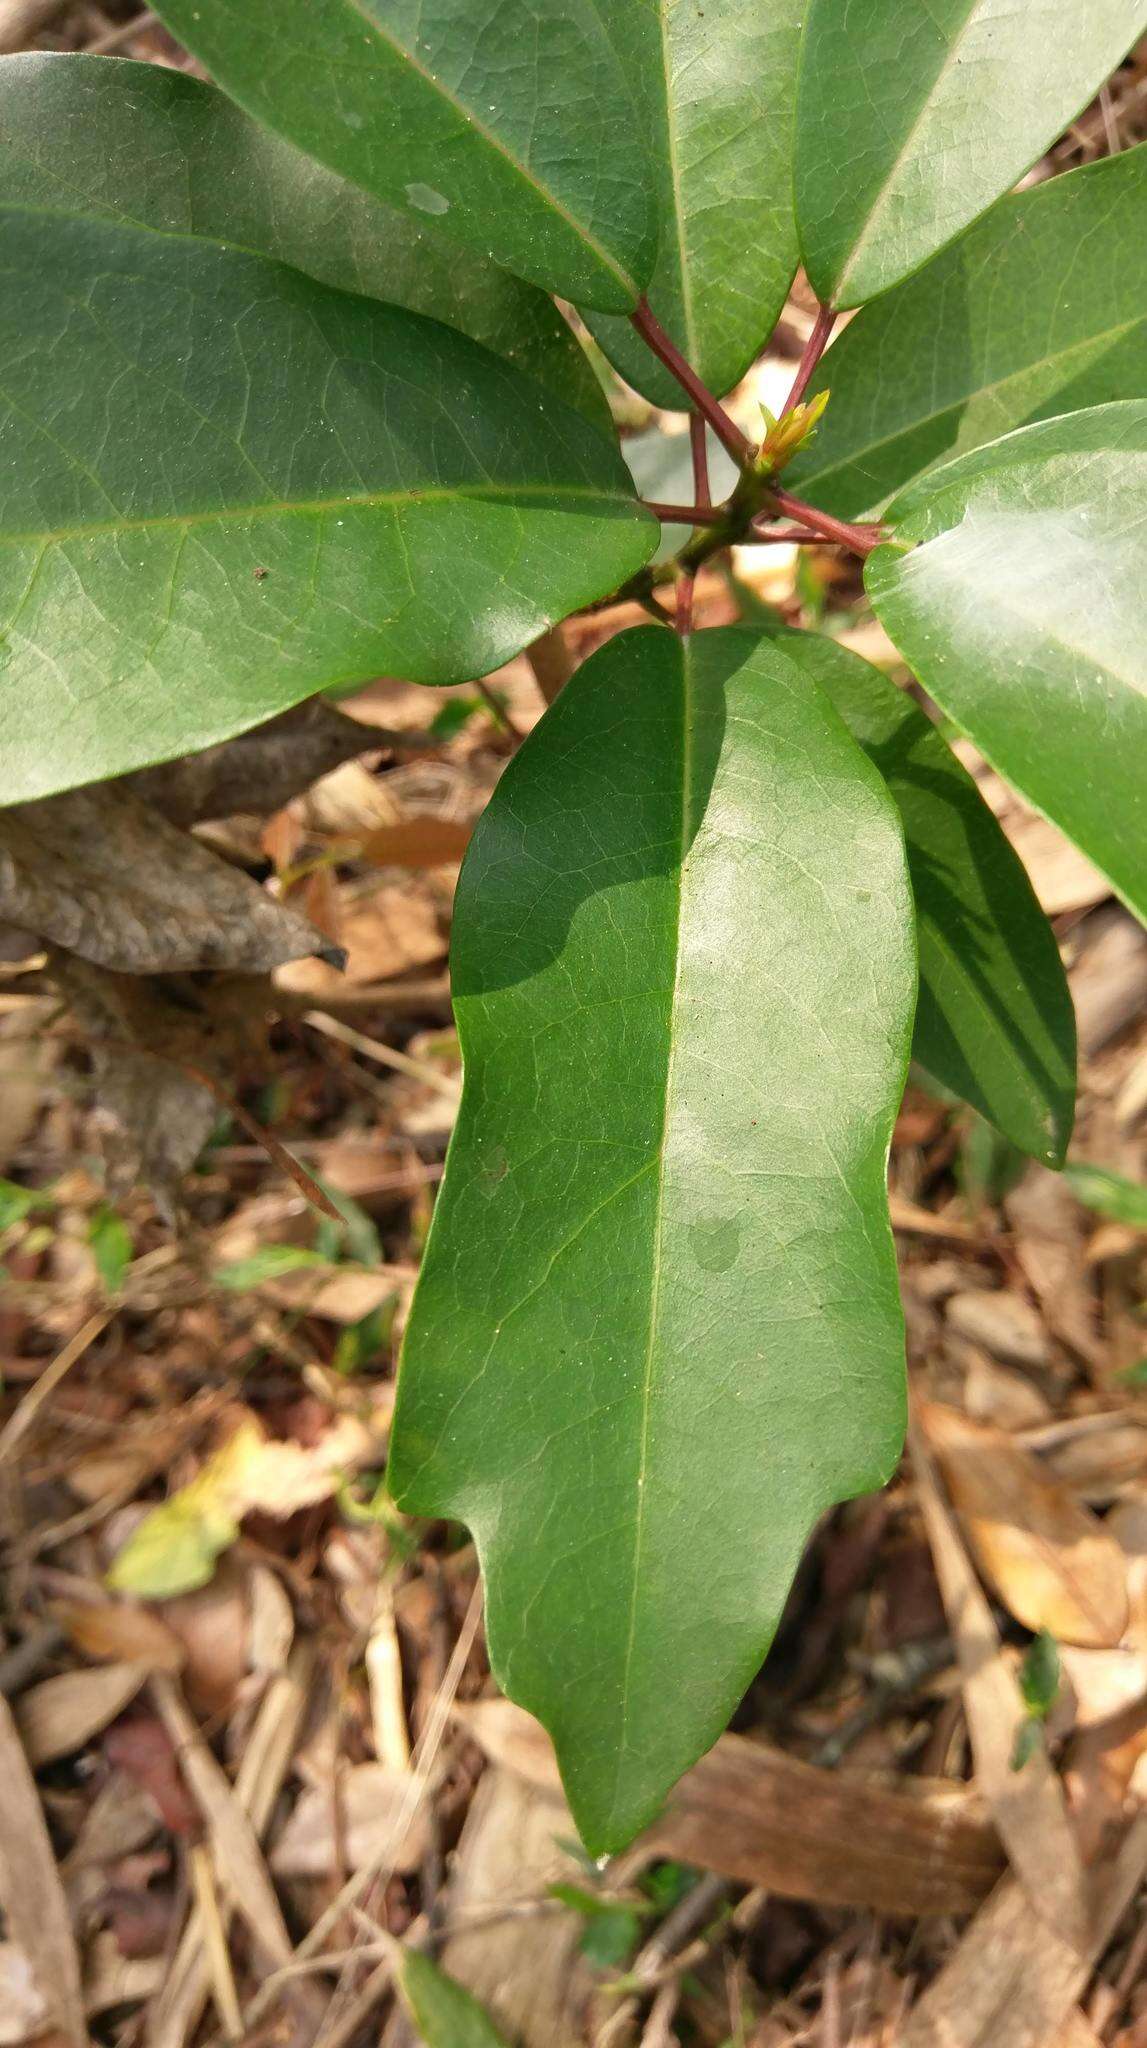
(224, 487)
(911, 119)
(514, 126)
(1014, 586)
(719, 87)
(1041, 308)
(155, 148)
(994, 1021)
(657, 1329)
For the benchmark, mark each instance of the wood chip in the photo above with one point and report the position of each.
(1028, 1805)
(31, 1892)
(754, 1814)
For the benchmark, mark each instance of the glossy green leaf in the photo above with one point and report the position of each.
(224, 487)
(1041, 308)
(658, 1329)
(1015, 587)
(443, 2011)
(994, 1021)
(912, 119)
(512, 125)
(719, 86)
(155, 148)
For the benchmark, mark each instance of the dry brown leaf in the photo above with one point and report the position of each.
(1028, 1805)
(1109, 979)
(174, 1548)
(26, 1061)
(1005, 1324)
(61, 1715)
(352, 1817)
(1051, 1561)
(259, 1780)
(213, 1627)
(1049, 1241)
(148, 1035)
(422, 842)
(392, 931)
(102, 874)
(755, 1814)
(258, 771)
(527, 1973)
(119, 1631)
(235, 1849)
(31, 1892)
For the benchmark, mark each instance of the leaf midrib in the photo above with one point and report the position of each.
(658, 1234)
(310, 508)
(548, 198)
(673, 160)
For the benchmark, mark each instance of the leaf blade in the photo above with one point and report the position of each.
(227, 487)
(719, 85)
(461, 113)
(154, 147)
(1043, 309)
(550, 1395)
(911, 122)
(1013, 586)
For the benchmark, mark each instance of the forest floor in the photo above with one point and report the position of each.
(230, 1785)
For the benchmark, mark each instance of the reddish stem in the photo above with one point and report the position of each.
(860, 539)
(681, 515)
(814, 348)
(800, 536)
(728, 433)
(699, 449)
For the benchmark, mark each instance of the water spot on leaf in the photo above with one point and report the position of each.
(716, 1245)
(426, 199)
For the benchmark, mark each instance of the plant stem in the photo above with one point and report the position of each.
(699, 450)
(682, 515)
(652, 333)
(859, 539)
(814, 348)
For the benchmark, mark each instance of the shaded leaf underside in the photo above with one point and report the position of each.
(994, 1020)
(1014, 586)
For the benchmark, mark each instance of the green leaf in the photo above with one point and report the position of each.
(512, 126)
(1040, 1676)
(111, 1247)
(911, 120)
(444, 2013)
(994, 1021)
(150, 146)
(612, 1926)
(1014, 588)
(719, 87)
(1041, 308)
(657, 1329)
(225, 487)
(270, 1262)
(1109, 1194)
(17, 1202)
